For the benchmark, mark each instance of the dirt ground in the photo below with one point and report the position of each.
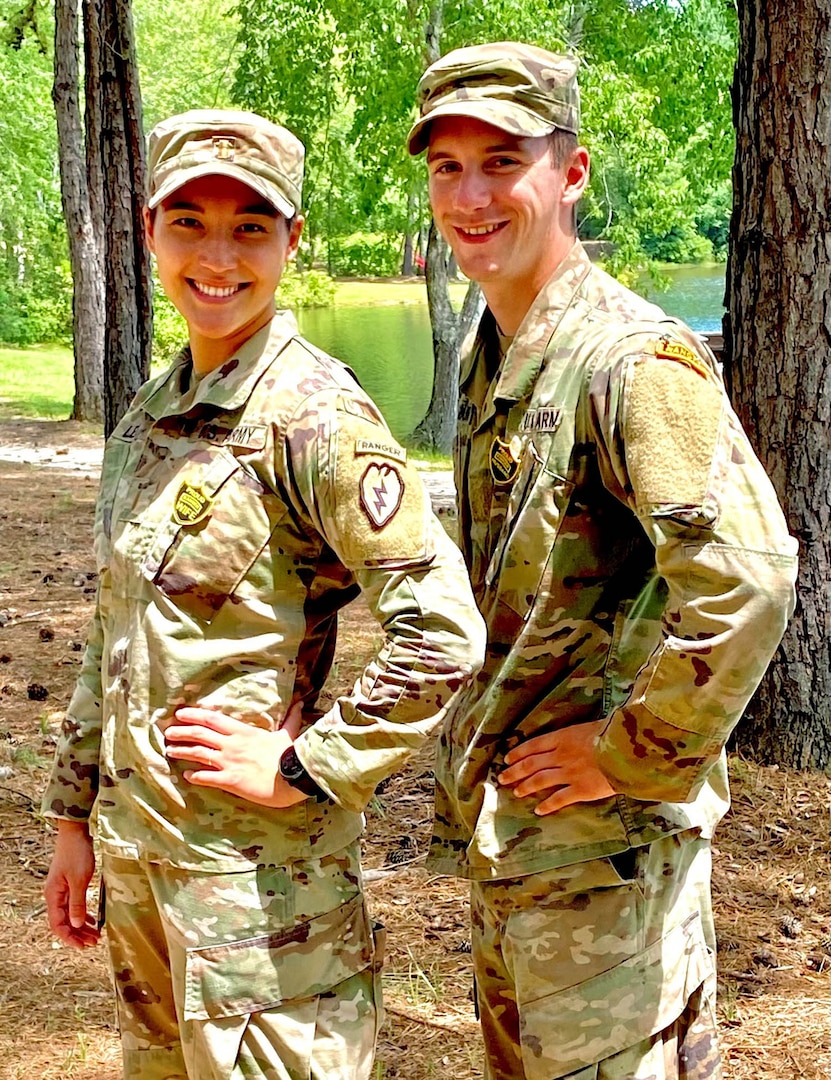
(56, 1020)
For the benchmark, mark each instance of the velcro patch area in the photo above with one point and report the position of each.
(671, 427)
(381, 507)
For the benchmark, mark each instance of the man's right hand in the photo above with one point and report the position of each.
(71, 870)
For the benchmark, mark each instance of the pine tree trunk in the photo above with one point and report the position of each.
(129, 288)
(778, 338)
(84, 253)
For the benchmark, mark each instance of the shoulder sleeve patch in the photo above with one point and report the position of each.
(380, 505)
(671, 424)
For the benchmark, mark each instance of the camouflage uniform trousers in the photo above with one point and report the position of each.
(602, 970)
(270, 974)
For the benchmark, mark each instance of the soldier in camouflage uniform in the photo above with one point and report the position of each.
(248, 494)
(636, 575)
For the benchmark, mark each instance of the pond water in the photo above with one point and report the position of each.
(389, 348)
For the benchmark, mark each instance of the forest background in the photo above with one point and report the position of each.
(657, 119)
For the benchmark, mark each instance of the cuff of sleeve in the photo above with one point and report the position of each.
(646, 758)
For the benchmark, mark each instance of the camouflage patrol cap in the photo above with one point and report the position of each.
(223, 142)
(519, 88)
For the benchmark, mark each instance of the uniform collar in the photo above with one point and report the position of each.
(229, 386)
(521, 365)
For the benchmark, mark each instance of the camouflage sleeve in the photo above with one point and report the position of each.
(73, 782)
(368, 503)
(686, 468)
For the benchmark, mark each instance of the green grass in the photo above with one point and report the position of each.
(357, 293)
(36, 382)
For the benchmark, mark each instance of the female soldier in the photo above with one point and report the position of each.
(248, 493)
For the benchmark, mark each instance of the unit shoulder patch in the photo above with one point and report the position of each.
(381, 508)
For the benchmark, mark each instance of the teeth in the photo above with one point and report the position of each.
(480, 230)
(215, 290)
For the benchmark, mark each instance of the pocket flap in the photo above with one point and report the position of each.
(258, 973)
(618, 1008)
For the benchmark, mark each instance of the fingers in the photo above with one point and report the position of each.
(67, 914)
(539, 744)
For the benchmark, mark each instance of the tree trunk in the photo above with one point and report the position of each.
(84, 252)
(129, 288)
(778, 334)
(438, 427)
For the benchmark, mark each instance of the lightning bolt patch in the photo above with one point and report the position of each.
(381, 492)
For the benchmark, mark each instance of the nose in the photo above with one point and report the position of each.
(216, 252)
(472, 191)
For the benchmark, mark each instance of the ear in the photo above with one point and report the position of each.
(149, 219)
(576, 170)
(294, 236)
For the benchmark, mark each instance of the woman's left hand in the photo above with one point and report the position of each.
(233, 755)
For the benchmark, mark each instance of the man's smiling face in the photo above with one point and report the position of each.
(497, 199)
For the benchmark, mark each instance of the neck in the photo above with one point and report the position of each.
(510, 300)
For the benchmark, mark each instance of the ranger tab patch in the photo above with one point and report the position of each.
(504, 463)
(382, 449)
(381, 492)
(674, 350)
(192, 505)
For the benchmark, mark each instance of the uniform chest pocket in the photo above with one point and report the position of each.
(533, 519)
(221, 518)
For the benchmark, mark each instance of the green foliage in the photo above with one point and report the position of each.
(186, 51)
(170, 331)
(305, 289)
(712, 219)
(35, 286)
(364, 254)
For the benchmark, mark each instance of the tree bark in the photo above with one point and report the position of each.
(449, 329)
(84, 250)
(128, 336)
(778, 340)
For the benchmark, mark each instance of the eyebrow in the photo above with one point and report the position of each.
(497, 148)
(260, 209)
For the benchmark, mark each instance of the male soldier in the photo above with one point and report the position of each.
(249, 493)
(635, 574)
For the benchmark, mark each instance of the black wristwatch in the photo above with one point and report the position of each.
(293, 772)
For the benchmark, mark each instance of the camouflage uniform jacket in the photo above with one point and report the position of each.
(236, 516)
(631, 561)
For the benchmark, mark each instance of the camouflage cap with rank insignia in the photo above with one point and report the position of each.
(521, 89)
(225, 142)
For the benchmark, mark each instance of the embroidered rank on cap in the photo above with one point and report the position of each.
(381, 492)
(192, 505)
(674, 350)
(380, 449)
(504, 462)
(224, 147)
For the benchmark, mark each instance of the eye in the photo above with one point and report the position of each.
(504, 162)
(251, 227)
(184, 222)
(443, 168)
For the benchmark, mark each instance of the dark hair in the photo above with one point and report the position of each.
(563, 144)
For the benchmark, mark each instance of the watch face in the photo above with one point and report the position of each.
(290, 766)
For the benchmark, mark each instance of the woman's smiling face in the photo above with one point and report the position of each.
(220, 251)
